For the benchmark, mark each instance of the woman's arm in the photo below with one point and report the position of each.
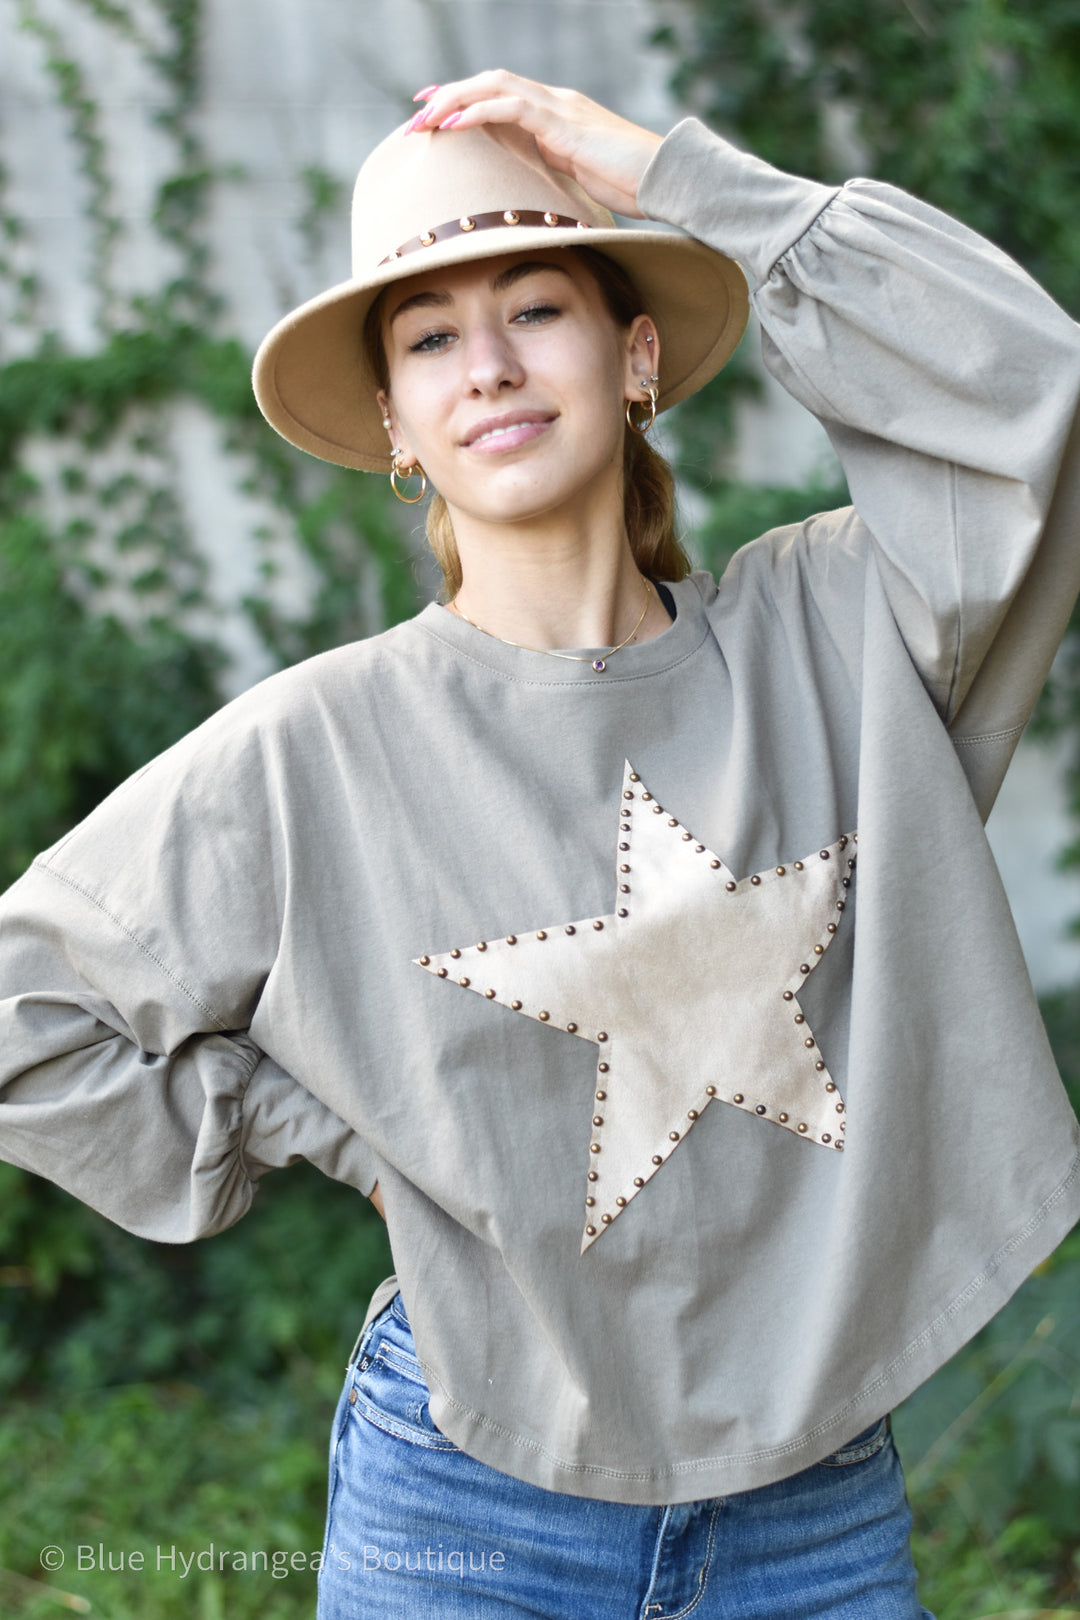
(151, 1116)
(948, 382)
(132, 959)
(946, 379)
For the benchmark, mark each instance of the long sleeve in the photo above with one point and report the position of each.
(948, 383)
(127, 1074)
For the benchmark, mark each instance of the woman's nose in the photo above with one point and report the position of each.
(492, 361)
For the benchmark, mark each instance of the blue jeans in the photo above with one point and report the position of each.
(417, 1530)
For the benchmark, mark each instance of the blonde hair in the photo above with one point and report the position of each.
(648, 482)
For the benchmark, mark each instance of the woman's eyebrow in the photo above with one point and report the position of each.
(507, 278)
(422, 300)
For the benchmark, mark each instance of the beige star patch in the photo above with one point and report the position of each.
(689, 988)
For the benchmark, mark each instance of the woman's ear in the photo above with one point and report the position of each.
(382, 399)
(642, 356)
(393, 427)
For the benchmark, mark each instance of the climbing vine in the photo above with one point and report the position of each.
(96, 553)
(86, 133)
(323, 196)
(16, 275)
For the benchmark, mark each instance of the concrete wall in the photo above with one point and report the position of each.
(286, 84)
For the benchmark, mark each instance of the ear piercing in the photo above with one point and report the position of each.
(414, 470)
(649, 386)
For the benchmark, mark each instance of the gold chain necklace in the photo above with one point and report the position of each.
(599, 664)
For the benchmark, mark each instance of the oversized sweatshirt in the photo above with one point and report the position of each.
(676, 1007)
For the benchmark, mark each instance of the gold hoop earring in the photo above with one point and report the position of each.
(415, 471)
(650, 388)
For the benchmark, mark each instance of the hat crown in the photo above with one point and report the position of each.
(409, 185)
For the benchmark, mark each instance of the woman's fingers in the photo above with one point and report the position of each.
(497, 97)
(606, 154)
(494, 85)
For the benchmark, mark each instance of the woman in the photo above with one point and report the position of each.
(534, 918)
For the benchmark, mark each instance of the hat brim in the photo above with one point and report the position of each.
(313, 380)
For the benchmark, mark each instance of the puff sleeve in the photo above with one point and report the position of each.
(132, 956)
(948, 383)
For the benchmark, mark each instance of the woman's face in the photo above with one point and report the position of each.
(508, 383)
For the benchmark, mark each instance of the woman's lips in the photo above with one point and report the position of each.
(507, 433)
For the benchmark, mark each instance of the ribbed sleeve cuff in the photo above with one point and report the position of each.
(729, 199)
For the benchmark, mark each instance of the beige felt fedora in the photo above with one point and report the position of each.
(432, 199)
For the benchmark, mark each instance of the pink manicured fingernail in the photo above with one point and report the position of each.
(416, 120)
(448, 123)
(428, 90)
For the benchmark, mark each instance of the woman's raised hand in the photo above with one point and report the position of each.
(605, 154)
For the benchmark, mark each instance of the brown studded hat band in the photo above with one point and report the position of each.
(484, 222)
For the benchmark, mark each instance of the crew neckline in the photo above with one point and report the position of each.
(670, 647)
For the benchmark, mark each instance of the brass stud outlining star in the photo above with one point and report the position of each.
(739, 951)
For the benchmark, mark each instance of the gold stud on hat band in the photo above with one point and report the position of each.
(485, 222)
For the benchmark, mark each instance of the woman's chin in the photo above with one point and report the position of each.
(510, 507)
(514, 499)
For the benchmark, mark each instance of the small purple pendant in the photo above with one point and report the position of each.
(599, 665)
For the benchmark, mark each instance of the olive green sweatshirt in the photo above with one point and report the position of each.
(676, 1007)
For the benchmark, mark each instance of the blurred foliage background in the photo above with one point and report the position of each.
(147, 1387)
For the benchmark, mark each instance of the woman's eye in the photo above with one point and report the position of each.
(430, 342)
(536, 313)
